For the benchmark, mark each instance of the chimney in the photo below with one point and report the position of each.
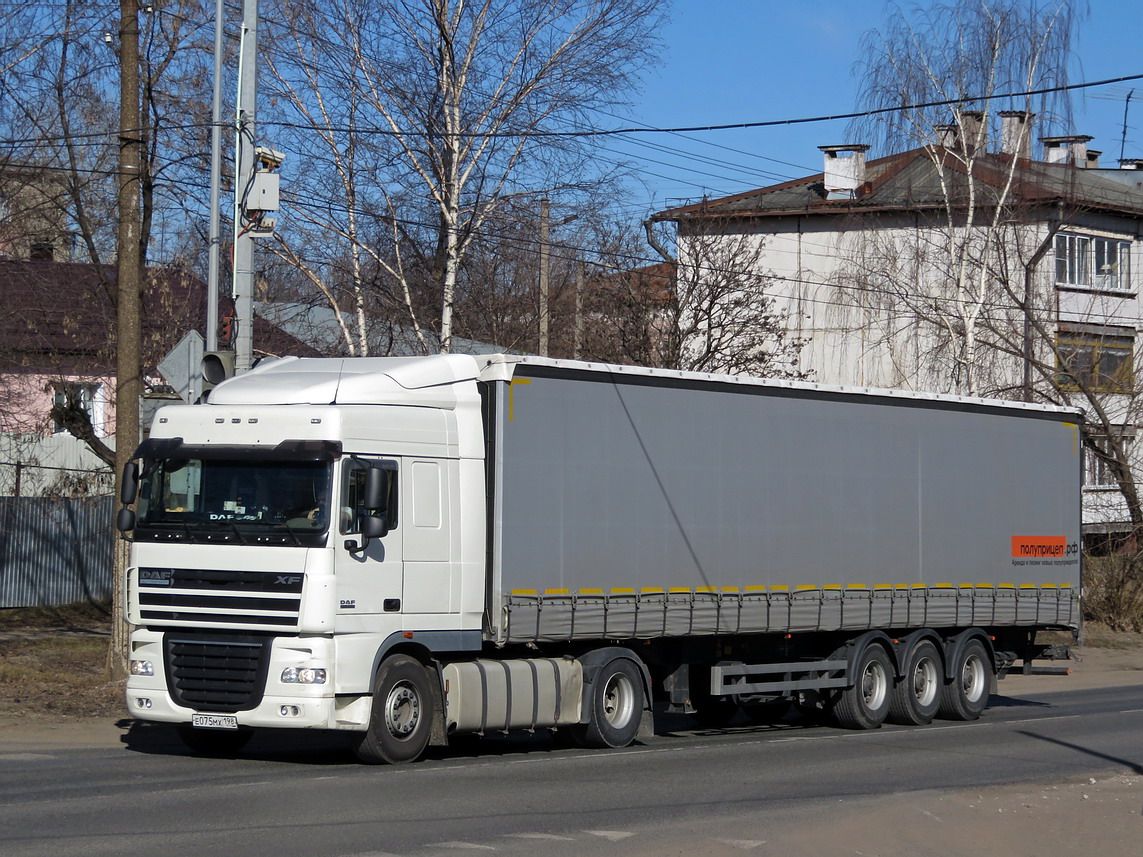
(1016, 133)
(973, 130)
(1131, 163)
(1091, 160)
(946, 135)
(844, 170)
(1066, 150)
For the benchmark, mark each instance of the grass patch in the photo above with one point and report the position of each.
(53, 661)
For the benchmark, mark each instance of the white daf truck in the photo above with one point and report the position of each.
(408, 549)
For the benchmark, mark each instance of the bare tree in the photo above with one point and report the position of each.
(458, 102)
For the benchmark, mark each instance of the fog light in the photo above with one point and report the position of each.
(290, 711)
(142, 668)
(303, 675)
(143, 702)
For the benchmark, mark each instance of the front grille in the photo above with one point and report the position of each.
(217, 673)
(187, 596)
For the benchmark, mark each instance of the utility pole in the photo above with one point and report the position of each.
(545, 216)
(128, 305)
(213, 276)
(243, 181)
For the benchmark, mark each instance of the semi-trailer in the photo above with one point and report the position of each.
(410, 549)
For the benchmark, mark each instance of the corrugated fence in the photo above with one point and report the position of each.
(55, 551)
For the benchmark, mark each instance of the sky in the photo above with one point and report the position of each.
(727, 61)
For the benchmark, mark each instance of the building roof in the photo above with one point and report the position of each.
(911, 181)
(60, 316)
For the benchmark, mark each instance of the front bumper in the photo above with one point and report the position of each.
(282, 706)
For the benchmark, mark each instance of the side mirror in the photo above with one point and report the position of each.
(125, 520)
(376, 488)
(129, 487)
(375, 527)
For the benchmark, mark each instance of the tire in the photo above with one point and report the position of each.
(865, 705)
(966, 696)
(214, 742)
(917, 696)
(401, 721)
(615, 707)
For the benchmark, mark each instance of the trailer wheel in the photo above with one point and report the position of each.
(966, 696)
(865, 705)
(615, 706)
(401, 720)
(214, 742)
(917, 696)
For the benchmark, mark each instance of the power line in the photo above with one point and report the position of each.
(770, 123)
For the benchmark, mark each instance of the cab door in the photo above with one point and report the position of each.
(369, 579)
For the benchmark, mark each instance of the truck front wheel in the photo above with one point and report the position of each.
(615, 706)
(401, 720)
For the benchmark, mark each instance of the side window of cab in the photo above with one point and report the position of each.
(353, 505)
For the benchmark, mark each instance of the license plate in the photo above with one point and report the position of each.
(214, 721)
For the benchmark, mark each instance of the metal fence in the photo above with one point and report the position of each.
(55, 550)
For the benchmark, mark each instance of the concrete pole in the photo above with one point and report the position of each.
(243, 176)
(545, 216)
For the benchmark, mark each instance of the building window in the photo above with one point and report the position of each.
(1099, 361)
(1099, 263)
(87, 397)
(1097, 471)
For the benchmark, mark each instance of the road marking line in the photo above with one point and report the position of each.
(742, 844)
(1044, 719)
(25, 757)
(471, 846)
(541, 836)
(611, 835)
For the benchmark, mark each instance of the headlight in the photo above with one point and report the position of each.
(303, 675)
(142, 668)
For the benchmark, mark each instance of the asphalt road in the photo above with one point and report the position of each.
(304, 795)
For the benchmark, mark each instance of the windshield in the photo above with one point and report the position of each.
(248, 501)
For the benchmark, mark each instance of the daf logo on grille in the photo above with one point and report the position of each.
(287, 579)
(156, 576)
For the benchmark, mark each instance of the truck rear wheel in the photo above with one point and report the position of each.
(865, 704)
(917, 696)
(615, 706)
(401, 720)
(966, 696)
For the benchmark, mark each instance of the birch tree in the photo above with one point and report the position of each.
(461, 100)
(946, 70)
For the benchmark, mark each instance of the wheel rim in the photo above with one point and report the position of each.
(618, 700)
(874, 685)
(925, 683)
(972, 678)
(402, 710)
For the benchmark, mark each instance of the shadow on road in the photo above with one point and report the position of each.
(1134, 766)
